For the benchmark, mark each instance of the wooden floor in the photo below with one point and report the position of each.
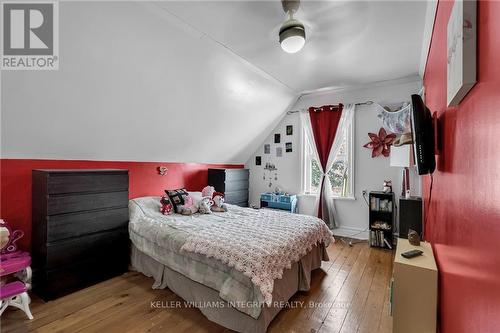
(350, 294)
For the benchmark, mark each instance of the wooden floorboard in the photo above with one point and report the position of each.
(348, 294)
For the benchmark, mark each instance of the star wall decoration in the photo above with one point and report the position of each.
(381, 143)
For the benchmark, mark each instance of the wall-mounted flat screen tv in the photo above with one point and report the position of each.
(423, 136)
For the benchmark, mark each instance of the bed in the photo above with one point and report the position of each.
(238, 267)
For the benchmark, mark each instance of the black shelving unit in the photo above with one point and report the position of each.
(381, 218)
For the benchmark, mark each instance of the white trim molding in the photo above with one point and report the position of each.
(371, 85)
(430, 16)
(355, 233)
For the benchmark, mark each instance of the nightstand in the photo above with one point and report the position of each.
(414, 290)
(279, 201)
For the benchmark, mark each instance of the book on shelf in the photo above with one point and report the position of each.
(381, 219)
(377, 238)
(380, 205)
(387, 243)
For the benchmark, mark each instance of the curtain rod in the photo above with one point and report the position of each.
(306, 110)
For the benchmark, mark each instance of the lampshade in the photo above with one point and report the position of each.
(292, 36)
(401, 156)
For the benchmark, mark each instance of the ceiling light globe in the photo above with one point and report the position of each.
(292, 36)
(293, 44)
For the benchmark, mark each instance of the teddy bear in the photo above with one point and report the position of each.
(204, 205)
(208, 191)
(387, 186)
(219, 205)
(166, 205)
(188, 208)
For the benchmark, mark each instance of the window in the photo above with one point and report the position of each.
(341, 172)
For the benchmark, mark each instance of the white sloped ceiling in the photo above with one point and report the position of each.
(348, 43)
(135, 83)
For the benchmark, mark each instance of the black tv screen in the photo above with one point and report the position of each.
(423, 136)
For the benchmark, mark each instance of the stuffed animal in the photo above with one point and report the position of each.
(387, 186)
(219, 205)
(166, 205)
(204, 206)
(413, 237)
(208, 191)
(188, 208)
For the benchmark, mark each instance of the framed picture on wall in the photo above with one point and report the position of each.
(267, 148)
(279, 151)
(258, 160)
(277, 138)
(288, 147)
(461, 50)
(289, 130)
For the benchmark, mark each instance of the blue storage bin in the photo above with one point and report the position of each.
(266, 197)
(285, 198)
(278, 201)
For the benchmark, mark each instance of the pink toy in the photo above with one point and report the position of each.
(208, 191)
(188, 201)
(188, 208)
(166, 205)
(16, 266)
(219, 205)
(204, 205)
(8, 238)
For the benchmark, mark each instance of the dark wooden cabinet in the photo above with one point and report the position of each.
(79, 229)
(381, 219)
(410, 216)
(232, 182)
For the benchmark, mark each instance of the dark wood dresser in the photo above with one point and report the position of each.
(79, 228)
(232, 182)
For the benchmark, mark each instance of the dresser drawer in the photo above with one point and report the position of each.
(241, 203)
(90, 246)
(235, 185)
(58, 282)
(78, 224)
(97, 182)
(229, 182)
(236, 174)
(236, 196)
(60, 204)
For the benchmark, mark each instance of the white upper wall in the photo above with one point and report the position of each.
(135, 83)
(369, 173)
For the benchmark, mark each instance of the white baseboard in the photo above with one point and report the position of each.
(351, 233)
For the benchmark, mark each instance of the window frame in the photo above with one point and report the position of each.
(306, 156)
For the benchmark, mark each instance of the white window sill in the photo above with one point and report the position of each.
(344, 198)
(307, 195)
(334, 197)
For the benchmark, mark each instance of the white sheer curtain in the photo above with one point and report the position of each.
(345, 120)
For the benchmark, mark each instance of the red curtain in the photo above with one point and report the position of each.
(324, 123)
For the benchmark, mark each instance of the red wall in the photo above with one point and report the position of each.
(15, 201)
(464, 220)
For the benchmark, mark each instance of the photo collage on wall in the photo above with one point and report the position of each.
(278, 147)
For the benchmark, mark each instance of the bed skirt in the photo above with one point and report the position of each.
(297, 278)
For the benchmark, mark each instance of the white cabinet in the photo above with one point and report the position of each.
(414, 288)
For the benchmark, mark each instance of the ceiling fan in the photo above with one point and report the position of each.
(292, 35)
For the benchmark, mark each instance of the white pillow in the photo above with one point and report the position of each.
(196, 196)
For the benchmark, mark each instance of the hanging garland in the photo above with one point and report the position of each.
(396, 121)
